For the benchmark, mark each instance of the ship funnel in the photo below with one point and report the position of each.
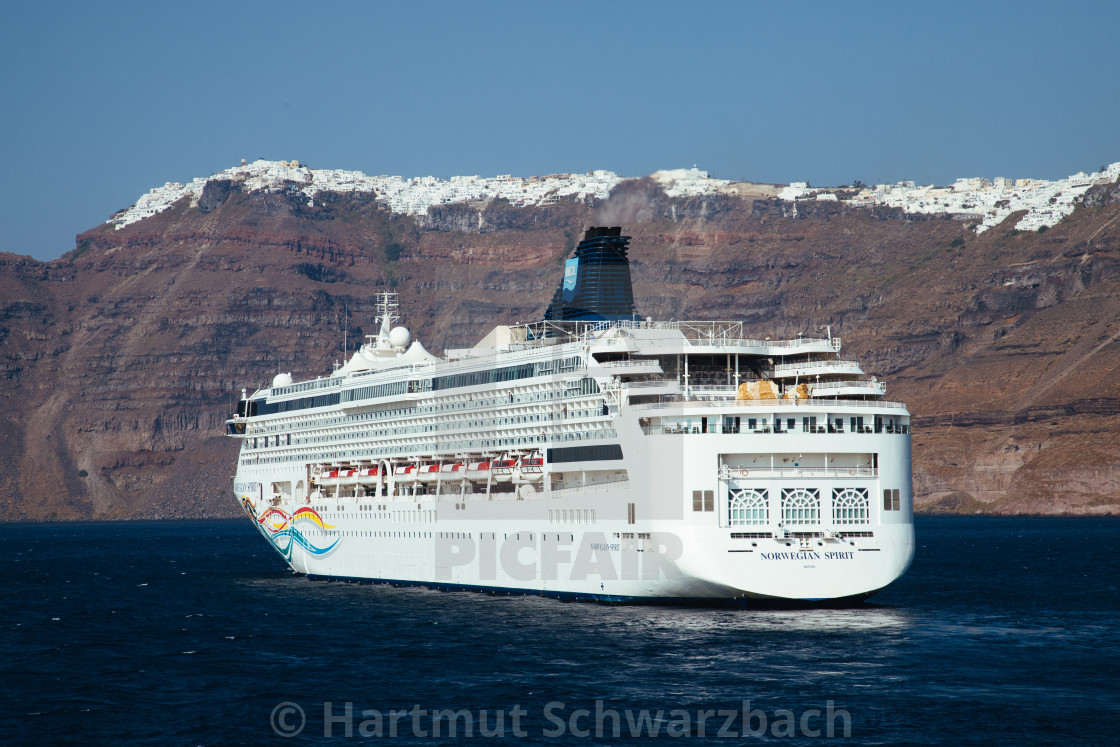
(596, 283)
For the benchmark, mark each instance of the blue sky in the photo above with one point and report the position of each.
(102, 101)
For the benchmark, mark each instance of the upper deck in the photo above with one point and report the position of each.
(591, 343)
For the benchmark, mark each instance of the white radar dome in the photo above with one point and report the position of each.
(281, 379)
(399, 337)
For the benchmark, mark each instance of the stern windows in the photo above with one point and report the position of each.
(801, 506)
(891, 500)
(748, 506)
(850, 506)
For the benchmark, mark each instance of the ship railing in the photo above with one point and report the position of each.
(808, 343)
(597, 487)
(557, 398)
(782, 368)
(367, 448)
(708, 333)
(880, 386)
(717, 429)
(650, 384)
(305, 386)
(729, 390)
(406, 370)
(425, 370)
(632, 363)
(580, 414)
(817, 403)
(833, 472)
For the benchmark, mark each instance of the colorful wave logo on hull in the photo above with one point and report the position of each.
(283, 530)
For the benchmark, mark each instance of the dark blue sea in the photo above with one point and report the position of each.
(1005, 630)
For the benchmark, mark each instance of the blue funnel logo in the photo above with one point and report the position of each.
(571, 272)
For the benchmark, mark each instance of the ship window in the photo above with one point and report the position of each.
(605, 452)
(887, 502)
(851, 506)
(630, 513)
(748, 507)
(895, 501)
(801, 506)
(709, 500)
(697, 500)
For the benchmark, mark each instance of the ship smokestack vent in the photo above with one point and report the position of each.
(596, 283)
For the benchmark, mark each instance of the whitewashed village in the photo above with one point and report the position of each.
(988, 202)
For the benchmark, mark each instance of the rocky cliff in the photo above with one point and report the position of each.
(122, 359)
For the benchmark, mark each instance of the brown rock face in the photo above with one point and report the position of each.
(122, 360)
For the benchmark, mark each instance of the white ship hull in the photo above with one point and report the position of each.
(579, 543)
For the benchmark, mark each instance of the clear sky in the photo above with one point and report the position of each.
(104, 100)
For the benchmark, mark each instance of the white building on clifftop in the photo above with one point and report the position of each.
(991, 202)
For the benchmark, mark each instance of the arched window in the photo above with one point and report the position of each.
(851, 506)
(801, 506)
(748, 507)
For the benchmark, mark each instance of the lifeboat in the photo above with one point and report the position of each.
(407, 473)
(336, 477)
(503, 469)
(477, 471)
(532, 469)
(429, 473)
(453, 470)
(340, 477)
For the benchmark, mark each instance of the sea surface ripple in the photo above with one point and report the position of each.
(1005, 630)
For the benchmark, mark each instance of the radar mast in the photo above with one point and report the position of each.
(387, 306)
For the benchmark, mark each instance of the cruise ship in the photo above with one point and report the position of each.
(592, 455)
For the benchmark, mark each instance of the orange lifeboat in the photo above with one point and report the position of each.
(477, 471)
(429, 473)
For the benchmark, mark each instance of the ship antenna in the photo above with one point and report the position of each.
(387, 309)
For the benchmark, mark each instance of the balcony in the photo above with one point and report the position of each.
(848, 388)
(816, 368)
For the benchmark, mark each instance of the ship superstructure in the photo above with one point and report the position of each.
(592, 455)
